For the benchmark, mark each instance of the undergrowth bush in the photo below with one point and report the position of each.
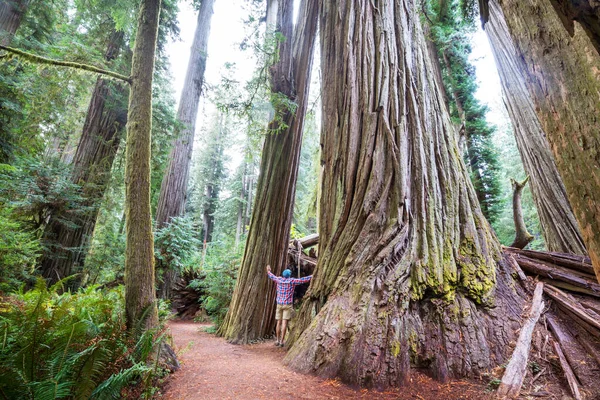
(72, 346)
(217, 278)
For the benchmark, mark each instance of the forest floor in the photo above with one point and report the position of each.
(211, 368)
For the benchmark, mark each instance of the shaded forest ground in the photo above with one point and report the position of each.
(214, 369)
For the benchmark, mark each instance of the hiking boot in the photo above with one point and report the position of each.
(277, 344)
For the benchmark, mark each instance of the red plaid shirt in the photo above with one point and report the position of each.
(285, 287)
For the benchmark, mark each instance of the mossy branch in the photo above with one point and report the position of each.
(69, 64)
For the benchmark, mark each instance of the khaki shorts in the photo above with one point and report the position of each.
(284, 311)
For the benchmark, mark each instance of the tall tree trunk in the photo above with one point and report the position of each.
(140, 298)
(408, 266)
(560, 70)
(11, 16)
(208, 218)
(173, 190)
(559, 226)
(240, 214)
(92, 164)
(252, 308)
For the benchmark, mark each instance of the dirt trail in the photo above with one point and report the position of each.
(214, 369)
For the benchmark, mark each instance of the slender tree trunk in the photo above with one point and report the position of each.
(240, 214)
(252, 309)
(11, 16)
(92, 164)
(173, 190)
(207, 215)
(559, 226)
(522, 236)
(408, 266)
(140, 299)
(560, 70)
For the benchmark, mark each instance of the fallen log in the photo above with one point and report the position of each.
(556, 273)
(571, 261)
(563, 301)
(575, 354)
(568, 372)
(304, 259)
(572, 288)
(515, 266)
(306, 241)
(512, 380)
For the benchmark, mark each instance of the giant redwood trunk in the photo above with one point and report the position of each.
(560, 66)
(173, 190)
(140, 298)
(11, 16)
(558, 223)
(252, 309)
(409, 271)
(104, 124)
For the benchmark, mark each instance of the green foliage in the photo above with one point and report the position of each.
(217, 277)
(451, 22)
(69, 345)
(176, 245)
(512, 167)
(38, 188)
(19, 251)
(307, 184)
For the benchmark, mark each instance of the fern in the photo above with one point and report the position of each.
(71, 345)
(111, 388)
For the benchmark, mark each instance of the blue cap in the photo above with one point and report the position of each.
(286, 273)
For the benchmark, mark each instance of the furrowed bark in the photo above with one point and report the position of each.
(559, 226)
(561, 73)
(408, 266)
(173, 190)
(140, 299)
(251, 313)
(11, 16)
(102, 130)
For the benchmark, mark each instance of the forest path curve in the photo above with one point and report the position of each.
(211, 368)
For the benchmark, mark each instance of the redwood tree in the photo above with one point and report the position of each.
(252, 307)
(559, 227)
(174, 187)
(140, 298)
(11, 16)
(409, 271)
(104, 124)
(560, 65)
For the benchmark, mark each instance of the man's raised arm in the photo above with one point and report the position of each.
(271, 276)
(299, 281)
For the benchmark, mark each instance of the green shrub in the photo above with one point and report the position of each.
(72, 346)
(19, 250)
(217, 278)
(176, 246)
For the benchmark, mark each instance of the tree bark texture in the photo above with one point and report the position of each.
(173, 190)
(561, 70)
(92, 165)
(408, 272)
(140, 299)
(252, 309)
(11, 16)
(559, 226)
